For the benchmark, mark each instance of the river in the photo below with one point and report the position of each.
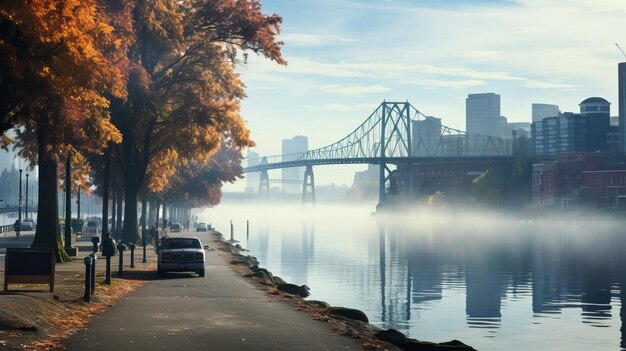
(491, 281)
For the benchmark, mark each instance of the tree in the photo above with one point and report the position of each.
(59, 61)
(184, 91)
(200, 182)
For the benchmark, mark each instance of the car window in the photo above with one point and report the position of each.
(182, 244)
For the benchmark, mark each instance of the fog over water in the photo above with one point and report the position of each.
(493, 281)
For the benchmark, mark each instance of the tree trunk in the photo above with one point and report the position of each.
(105, 193)
(78, 203)
(113, 213)
(48, 233)
(130, 233)
(144, 214)
(164, 214)
(118, 226)
(156, 222)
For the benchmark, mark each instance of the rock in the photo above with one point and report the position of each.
(278, 280)
(293, 289)
(398, 339)
(264, 270)
(305, 291)
(317, 304)
(349, 313)
(267, 280)
(244, 260)
(392, 336)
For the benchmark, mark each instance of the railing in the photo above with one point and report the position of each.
(6, 228)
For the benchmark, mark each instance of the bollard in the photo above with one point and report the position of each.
(88, 264)
(95, 241)
(107, 278)
(132, 254)
(247, 229)
(94, 257)
(121, 248)
(108, 250)
(232, 234)
(144, 253)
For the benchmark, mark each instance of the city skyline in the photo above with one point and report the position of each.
(346, 57)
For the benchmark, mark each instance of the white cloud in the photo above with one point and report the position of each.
(354, 90)
(602, 6)
(454, 84)
(305, 39)
(347, 107)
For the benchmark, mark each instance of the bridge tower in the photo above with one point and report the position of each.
(309, 181)
(264, 180)
(395, 141)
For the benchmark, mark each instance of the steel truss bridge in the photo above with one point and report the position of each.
(396, 133)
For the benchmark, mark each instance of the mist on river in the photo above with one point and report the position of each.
(487, 278)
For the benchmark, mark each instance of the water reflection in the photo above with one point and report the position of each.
(499, 284)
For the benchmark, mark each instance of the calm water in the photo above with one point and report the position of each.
(493, 282)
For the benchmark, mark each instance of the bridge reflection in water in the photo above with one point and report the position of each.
(400, 139)
(499, 284)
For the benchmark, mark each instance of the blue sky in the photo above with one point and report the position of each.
(346, 56)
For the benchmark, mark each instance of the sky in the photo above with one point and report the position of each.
(346, 56)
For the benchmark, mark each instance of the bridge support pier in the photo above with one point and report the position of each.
(309, 181)
(264, 184)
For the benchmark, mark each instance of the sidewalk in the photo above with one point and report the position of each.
(221, 311)
(34, 318)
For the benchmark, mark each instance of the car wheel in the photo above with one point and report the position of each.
(201, 273)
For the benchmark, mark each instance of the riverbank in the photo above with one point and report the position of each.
(347, 321)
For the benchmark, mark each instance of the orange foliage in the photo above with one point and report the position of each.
(62, 59)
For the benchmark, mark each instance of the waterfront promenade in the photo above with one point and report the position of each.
(221, 311)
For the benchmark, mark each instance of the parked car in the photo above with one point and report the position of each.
(201, 227)
(176, 227)
(92, 227)
(180, 255)
(28, 224)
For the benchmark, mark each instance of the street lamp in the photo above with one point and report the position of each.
(19, 213)
(26, 195)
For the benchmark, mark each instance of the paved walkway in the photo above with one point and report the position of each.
(221, 311)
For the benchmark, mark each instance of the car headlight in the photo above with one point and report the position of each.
(165, 256)
(199, 256)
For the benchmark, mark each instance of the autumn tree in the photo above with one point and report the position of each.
(184, 92)
(60, 61)
(200, 182)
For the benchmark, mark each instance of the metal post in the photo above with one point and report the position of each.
(381, 180)
(94, 257)
(88, 264)
(132, 255)
(144, 215)
(26, 206)
(121, 248)
(410, 148)
(19, 213)
(247, 229)
(232, 234)
(107, 278)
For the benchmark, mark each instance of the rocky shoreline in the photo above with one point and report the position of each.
(348, 321)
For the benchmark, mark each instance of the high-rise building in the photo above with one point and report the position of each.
(621, 81)
(597, 114)
(482, 114)
(425, 136)
(555, 135)
(541, 111)
(292, 149)
(252, 179)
